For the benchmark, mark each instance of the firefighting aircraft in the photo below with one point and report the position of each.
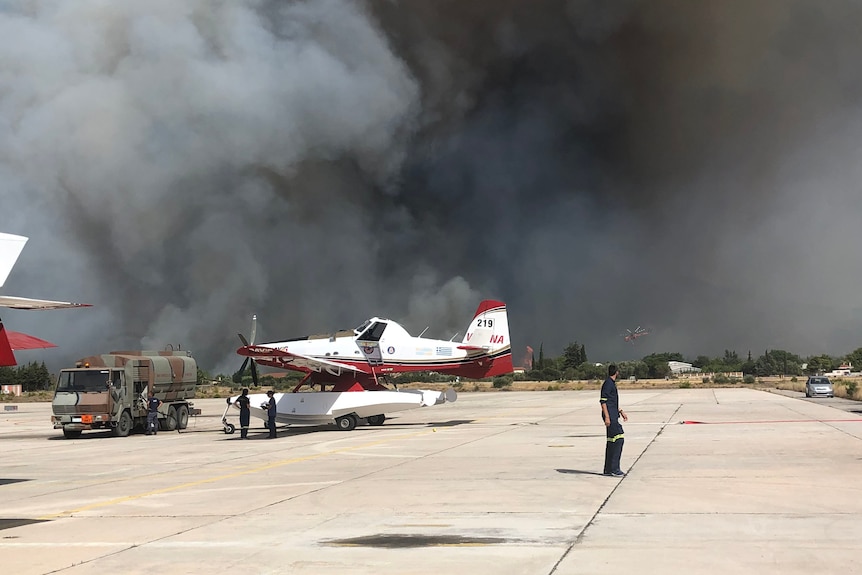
(354, 365)
(633, 335)
(10, 248)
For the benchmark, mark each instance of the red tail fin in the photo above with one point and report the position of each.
(7, 358)
(489, 331)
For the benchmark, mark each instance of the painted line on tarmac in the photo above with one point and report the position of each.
(592, 519)
(691, 422)
(258, 469)
(55, 544)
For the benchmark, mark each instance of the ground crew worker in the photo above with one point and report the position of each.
(244, 413)
(611, 413)
(270, 414)
(152, 414)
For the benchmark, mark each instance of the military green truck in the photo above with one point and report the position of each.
(109, 392)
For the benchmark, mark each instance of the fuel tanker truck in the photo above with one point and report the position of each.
(109, 392)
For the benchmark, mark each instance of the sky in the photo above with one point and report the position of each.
(688, 167)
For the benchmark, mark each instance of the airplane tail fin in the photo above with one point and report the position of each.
(490, 327)
(489, 331)
(10, 248)
(7, 357)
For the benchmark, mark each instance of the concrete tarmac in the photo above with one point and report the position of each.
(503, 483)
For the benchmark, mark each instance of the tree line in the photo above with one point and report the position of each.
(32, 377)
(573, 364)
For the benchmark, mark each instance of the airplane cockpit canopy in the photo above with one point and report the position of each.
(373, 331)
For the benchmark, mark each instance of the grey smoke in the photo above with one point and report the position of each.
(182, 165)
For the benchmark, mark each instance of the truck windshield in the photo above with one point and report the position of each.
(93, 380)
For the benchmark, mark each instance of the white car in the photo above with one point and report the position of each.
(819, 386)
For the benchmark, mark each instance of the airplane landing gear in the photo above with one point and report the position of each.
(228, 428)
(346, 422)
(376, 419)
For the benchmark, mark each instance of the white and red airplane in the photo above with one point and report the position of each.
(355, 362)
(10, 248)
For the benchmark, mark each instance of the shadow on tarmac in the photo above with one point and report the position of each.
(579, 472)
(10, 481)
(288, 431)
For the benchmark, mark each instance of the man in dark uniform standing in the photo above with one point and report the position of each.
(243, 403)
(153, 404)
(611, 413)
(270, 414)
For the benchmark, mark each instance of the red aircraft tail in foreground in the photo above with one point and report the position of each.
(10, 248)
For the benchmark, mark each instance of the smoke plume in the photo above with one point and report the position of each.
(691, 167)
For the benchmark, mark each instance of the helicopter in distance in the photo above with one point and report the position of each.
(632, 336)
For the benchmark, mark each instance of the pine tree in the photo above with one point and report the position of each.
(44, 376)
(572, 356)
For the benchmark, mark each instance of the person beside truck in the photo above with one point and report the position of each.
(153, 404)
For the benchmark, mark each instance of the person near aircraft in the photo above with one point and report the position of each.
(243, 402)
(270, 414)
(611, 414)
(153, 404)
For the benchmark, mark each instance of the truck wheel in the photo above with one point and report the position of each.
(71, 433)
(169, 423)
(183, 417)
(346, 422)
(376, 419)
(124, 425)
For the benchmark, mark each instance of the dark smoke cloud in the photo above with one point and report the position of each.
(688, 166)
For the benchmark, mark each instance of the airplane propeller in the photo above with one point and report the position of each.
(246, 343)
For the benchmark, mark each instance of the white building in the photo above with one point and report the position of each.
(678, 367)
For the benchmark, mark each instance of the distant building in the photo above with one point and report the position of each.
(678, 367)
(844, 370)
(11, 389)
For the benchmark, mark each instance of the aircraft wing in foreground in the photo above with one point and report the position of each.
(28, 303)
(13, 340)
(10, 248)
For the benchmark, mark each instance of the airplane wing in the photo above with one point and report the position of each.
(287, 360)
(18, 340)
(28, 303)
(13, 340)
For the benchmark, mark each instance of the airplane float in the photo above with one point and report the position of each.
(354, 364)
(10, 248)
